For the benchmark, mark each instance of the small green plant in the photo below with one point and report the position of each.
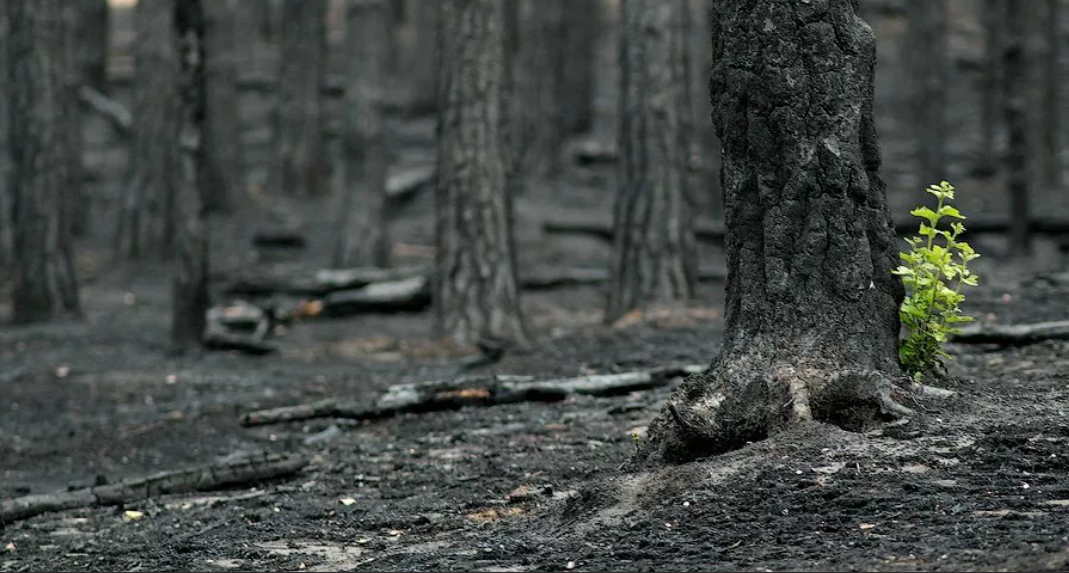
(934, 271)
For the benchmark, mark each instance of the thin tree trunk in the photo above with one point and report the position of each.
(539, 74)
(224, 177)
(145, 223)
(709, 151)
(363, 238)
(422, 59)
(927, 62)
(1050, 167)
(653, 250)
(475, 288)
(77, 202)
(7, 239)
(93, 42)
(991, 87)
(1015, 92)
(812, 307)
(45, 283)
(581, 32)
(300, 166)
(189, 283)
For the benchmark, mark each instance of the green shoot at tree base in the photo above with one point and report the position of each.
(934, 271)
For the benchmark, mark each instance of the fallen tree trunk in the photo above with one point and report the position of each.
(406, 295)
(471, 391)
(207, 478)
(709, 231)
(322, 282)
(403, 186)
(1013, 335)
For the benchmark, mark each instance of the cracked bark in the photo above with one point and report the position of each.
(654, 254)
(38, 67)
(812, 308)
(475, 286)
(362, 235)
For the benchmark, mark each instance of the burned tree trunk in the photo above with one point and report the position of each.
(300, 166)
(189, 283)
(927, 63)
(45, 283)
(76, 202)
(812, 306)
(362, 236)
(7, 239)
(1048, 121)
(223, 173)
(990, 87)
(423, 72)
(653, 249)
(145, 224)
(582, 24)
(93, 37)
(1014, 88)
(475, 287)
(537, 106)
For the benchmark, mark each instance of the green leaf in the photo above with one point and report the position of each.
(925, 213)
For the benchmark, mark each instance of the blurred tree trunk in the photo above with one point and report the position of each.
(1015, 74)
(189, 283)
(299, 164)
(77, 201)
(145, 223)
(707, 155)
(808, 337)
(257, 22)
(991, 87)
(653, 249)
(1048, 163)
(422, 59)
(93, 42)
(224, 175)
(7, 239)
(581, 30)
(475, 287)
(45, 283)
(539, 78)
(362, 237)
(927, 57)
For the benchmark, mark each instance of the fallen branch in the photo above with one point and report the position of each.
(239, 326)
(207, 478)
(116, 115)
(1013, 335)
(322, 282)
(406, 295)
(403, 186)
(471, 391)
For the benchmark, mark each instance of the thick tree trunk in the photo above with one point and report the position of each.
(812, 307)
(45, 284)
(362, 237)
(189, 283)
(538, 77)
(224, 178)
(927, 64)
(1014, 88)
(580, 34)
(654, 250)
(300, 165)
(991, 87)
(93, 41)
(475, 287)
(145, 223)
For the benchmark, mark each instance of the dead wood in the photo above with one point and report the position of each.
(403, 186)
(482, 391)
(1013, 335)
(115, 113)
(279, 239)
(207, 478)
(239, 326)
(321, 282)
(406, 295)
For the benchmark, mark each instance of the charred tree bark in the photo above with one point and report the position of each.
(362, 237)
(300, 167)
(927, 63)
(580, 33)
(76, 202)
(653, 249)
(45, 283)
(812, 307)
(538, 77)
(475, 287)
(991, 87)
(423, 61)
(224, 178)
(145, 223)
(93, 40)
(189, 284)
(1014, 88)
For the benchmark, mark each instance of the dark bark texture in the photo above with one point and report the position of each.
(1048, 152)
(475, 287)
(538, 79)
(580, 33)
(145, 224)
(654, 253)
(1014, 77)
(812, 307)
(927, 58)
(990, 87)
(224, 178)
(300, 155)
(422, 60)
(76, 201)
(189, 282)
(93, 35)
(362, 237)
(45, 283)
